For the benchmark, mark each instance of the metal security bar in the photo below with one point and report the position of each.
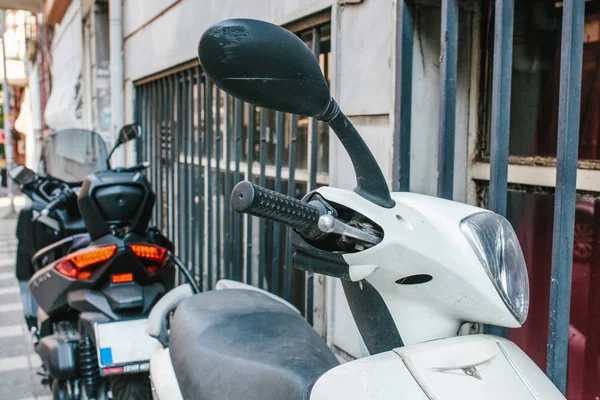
(201, 142)
(448, 72)
(500, 118)
(571, 51)
(566, 179)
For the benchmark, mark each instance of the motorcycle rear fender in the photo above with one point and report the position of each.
(162, 376)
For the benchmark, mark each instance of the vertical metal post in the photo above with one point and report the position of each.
(227, 187)
(218, 179)
(262, 182)
(153, 136)
(200, 181)
(162, 157)
(173, 160)
(179, 190)
(500, 117)
(448, 66)
(159, 184)
(208, 134)
(186, 109)
(142, 99)
(166, 144)
(138, 117)
(277, 227)
(314, 123)
(237, 219)
(117, 93)
(287, 289)
(312, 184)
(250, 161)
(192, 178)
(403, 96)
(566, 177)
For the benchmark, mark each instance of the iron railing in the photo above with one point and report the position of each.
(201, 142)
(568, 134)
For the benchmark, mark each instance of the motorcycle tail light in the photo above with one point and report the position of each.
(155, 257)
(80, 264)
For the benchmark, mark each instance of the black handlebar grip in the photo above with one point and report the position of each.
(251, 199)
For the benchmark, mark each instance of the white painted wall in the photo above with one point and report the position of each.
(426, 100)
(172, 37)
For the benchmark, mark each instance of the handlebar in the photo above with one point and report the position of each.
(60, 200)
(251, 199)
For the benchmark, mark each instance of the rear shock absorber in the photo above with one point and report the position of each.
(88, 362)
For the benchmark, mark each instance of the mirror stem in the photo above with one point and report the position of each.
(110, 154)
(370, 181)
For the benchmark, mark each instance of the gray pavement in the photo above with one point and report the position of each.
(19, 365)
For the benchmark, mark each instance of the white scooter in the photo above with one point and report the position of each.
(414, 269)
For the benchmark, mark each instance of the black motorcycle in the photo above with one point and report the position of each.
(53, 214)
(95, 290)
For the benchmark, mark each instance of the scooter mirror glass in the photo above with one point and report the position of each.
(22, 175)
(129, 132)
(265, 65)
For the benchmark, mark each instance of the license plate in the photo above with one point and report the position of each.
(123, 346)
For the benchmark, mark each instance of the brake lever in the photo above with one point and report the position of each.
(329, 224)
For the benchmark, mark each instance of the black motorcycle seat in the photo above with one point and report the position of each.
(241, 344)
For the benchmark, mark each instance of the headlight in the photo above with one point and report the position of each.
(494, 241)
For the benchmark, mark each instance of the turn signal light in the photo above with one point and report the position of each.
(80, 265)
(155, 256)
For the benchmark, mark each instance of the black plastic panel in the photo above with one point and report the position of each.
(124, 296)
(109, 196)
(59, 354)
(119, 203)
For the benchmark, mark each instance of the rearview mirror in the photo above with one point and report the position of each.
(22, 175)
(265, 65)
(129, 132)
(268, 66)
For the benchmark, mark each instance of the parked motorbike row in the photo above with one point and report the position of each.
(112, 324)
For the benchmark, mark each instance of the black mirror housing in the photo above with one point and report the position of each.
(265, 65)
(129, 132)
(268, 66)
(22, 175)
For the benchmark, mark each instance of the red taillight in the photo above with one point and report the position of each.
(80, 265)
(149, 252)
(155, 256)
(121, 278)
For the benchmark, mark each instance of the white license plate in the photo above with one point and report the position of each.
(123, 346)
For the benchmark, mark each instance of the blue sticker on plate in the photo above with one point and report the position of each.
(106, 356)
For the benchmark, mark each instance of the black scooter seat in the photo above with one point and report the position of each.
(241, 344)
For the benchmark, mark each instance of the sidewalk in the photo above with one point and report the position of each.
(19, 364)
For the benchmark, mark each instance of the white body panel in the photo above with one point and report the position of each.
(422, 236)
(162, 376)
(476, 367)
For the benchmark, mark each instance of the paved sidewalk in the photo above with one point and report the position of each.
(19, 364)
